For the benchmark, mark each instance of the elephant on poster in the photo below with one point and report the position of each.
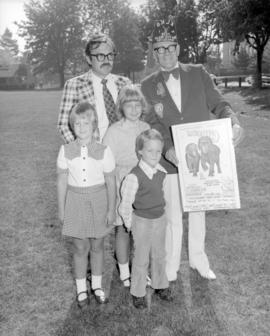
(192, 158)
(210, 154)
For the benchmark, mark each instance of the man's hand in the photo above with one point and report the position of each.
(171, 156)
(238, 134)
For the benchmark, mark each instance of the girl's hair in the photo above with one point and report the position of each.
(150, 134)
(87, 110)
(129, 93)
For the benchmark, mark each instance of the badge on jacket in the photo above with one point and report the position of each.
(161, 90)
(159, 109)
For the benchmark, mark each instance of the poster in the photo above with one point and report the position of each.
(207, 167)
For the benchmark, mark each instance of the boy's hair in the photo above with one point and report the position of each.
(150, 134)
(88, 110)
(96, 40)
(129, 93)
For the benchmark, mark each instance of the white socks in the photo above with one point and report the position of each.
(96, 282)
(81, 287)
(124, 274)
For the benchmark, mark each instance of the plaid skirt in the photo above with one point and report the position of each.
(85, 212)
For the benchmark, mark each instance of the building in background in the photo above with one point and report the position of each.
(15, 73)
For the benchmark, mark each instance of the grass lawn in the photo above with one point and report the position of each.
(37, 289)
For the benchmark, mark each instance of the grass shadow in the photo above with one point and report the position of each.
(256, 97)
(120, 318)
(204, 317)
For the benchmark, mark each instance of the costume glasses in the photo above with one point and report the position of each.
(101, 57)
(161, 50)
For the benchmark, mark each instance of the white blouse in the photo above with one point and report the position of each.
(85, 165)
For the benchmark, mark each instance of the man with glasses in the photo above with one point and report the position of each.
(98, 86)
(181, 93)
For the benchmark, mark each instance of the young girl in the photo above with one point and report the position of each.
(121, 137)
(86, 198)
(142, 209)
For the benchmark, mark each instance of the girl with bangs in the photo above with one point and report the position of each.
(121, 138)
(86, 199)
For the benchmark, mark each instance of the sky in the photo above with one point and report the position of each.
(12, 10)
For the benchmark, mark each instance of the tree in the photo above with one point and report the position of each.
(99, 15)
(125, 35)
(187, 31)
(242, 60)
(8, 43)
(208, 32)
(245, 20)
(266, 60)
(53, 33)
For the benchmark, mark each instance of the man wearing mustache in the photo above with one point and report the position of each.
(98, 86)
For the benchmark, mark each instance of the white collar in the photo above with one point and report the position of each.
(150, 171)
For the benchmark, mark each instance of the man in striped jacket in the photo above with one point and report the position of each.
(98, 86)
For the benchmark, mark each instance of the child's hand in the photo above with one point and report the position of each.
(171, 156)
(111, 218)
(127, 227)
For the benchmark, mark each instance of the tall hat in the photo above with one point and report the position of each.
(164, 31)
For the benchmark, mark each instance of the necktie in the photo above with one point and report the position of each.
(175, 72)
(109, 103)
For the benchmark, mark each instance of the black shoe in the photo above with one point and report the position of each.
(101, 298)
(139, 302)
(126, 282)
(83, 304)
(164, 294)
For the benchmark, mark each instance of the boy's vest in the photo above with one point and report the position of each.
(149, 200)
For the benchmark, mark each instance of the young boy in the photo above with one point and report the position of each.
(142, 210)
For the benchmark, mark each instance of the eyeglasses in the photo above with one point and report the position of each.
(101, 57)
(161, 50)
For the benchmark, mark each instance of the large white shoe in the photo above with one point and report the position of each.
(211, 275)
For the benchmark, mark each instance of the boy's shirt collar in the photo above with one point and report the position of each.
(149, 171)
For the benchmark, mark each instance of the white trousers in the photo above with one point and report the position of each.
(196, 232)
